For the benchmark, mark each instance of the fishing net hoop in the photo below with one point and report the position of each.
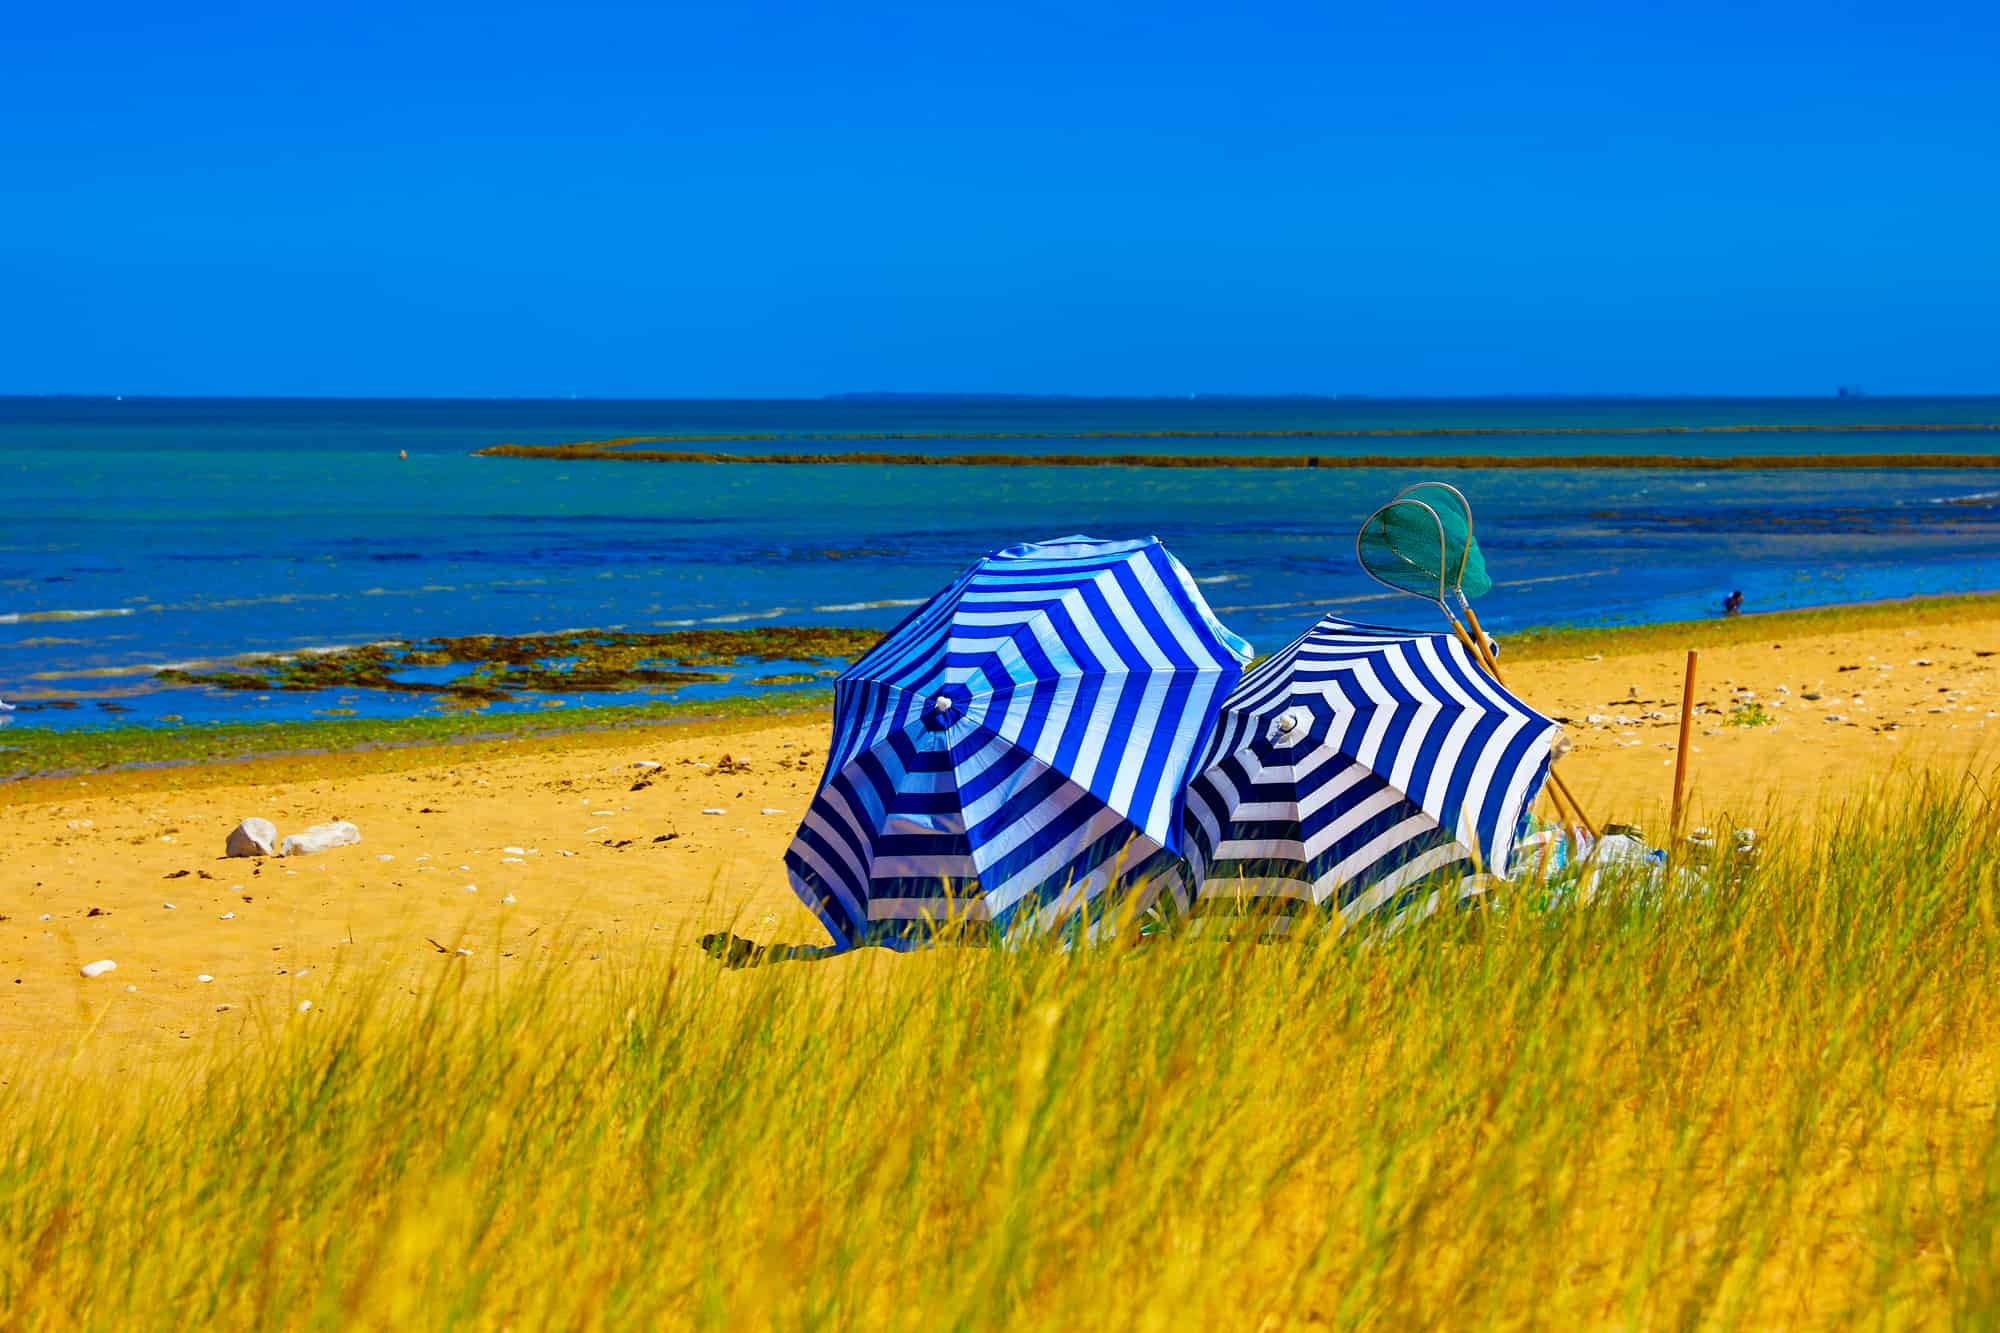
(1361, 556)
(1464, 512)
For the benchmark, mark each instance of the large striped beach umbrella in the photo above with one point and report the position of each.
(1356, 770)
(1016, 748)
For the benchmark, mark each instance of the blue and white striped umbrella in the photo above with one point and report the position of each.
(1017, 747)
(1357, 768)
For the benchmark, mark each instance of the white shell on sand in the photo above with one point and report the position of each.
(98, 968)
(253, 837)
(321, 838)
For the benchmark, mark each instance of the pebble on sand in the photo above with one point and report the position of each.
(508, 900)
(252, 837)
(204, 977)
(98, 968)
(714, 810)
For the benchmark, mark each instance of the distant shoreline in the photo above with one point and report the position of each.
(624, 449)
(29, 753)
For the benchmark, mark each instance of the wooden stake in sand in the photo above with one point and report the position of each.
(1681, 750)
(1568, 808)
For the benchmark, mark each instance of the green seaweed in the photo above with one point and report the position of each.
(507, 666)
(617, 452)
(588, 680)
(586, 448)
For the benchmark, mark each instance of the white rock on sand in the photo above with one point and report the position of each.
(98, 968)
(321, 838)
(253, 837)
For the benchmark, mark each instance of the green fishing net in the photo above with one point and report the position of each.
(1421, 542)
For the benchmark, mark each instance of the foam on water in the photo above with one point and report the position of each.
(29, 617)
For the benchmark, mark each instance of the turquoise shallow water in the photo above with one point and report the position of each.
(142, 533)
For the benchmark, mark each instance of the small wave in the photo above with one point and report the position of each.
(1307, 605)
(24, 617)
(875, 605)
(772, 614)
(97, 673)
(1974, 498)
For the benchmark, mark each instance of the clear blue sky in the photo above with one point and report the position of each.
(753, 199)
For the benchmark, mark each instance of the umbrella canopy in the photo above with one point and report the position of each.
(1354, 767)
(1017, 746)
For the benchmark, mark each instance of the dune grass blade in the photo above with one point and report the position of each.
(1771, 1103)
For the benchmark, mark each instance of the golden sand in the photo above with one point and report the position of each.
(566, 849)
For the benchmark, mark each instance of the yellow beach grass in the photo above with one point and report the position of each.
(1769, 1103)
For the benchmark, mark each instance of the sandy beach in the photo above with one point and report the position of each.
(596, 849)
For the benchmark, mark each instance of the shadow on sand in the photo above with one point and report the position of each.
(733, 951)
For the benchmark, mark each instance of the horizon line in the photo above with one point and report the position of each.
(894, 395)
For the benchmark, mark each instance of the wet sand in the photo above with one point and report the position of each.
(565, 851)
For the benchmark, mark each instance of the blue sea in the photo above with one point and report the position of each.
(142, 533)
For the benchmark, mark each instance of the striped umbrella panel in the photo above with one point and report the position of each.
(1060, 695)
(1355, 766)
(958, 831)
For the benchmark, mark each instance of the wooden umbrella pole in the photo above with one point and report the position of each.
(1681, 750)
(1493, 666)
(1566, 803)
(1476, 641)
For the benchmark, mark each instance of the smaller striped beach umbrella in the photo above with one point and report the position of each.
(1013, 758)
(1357, 770)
